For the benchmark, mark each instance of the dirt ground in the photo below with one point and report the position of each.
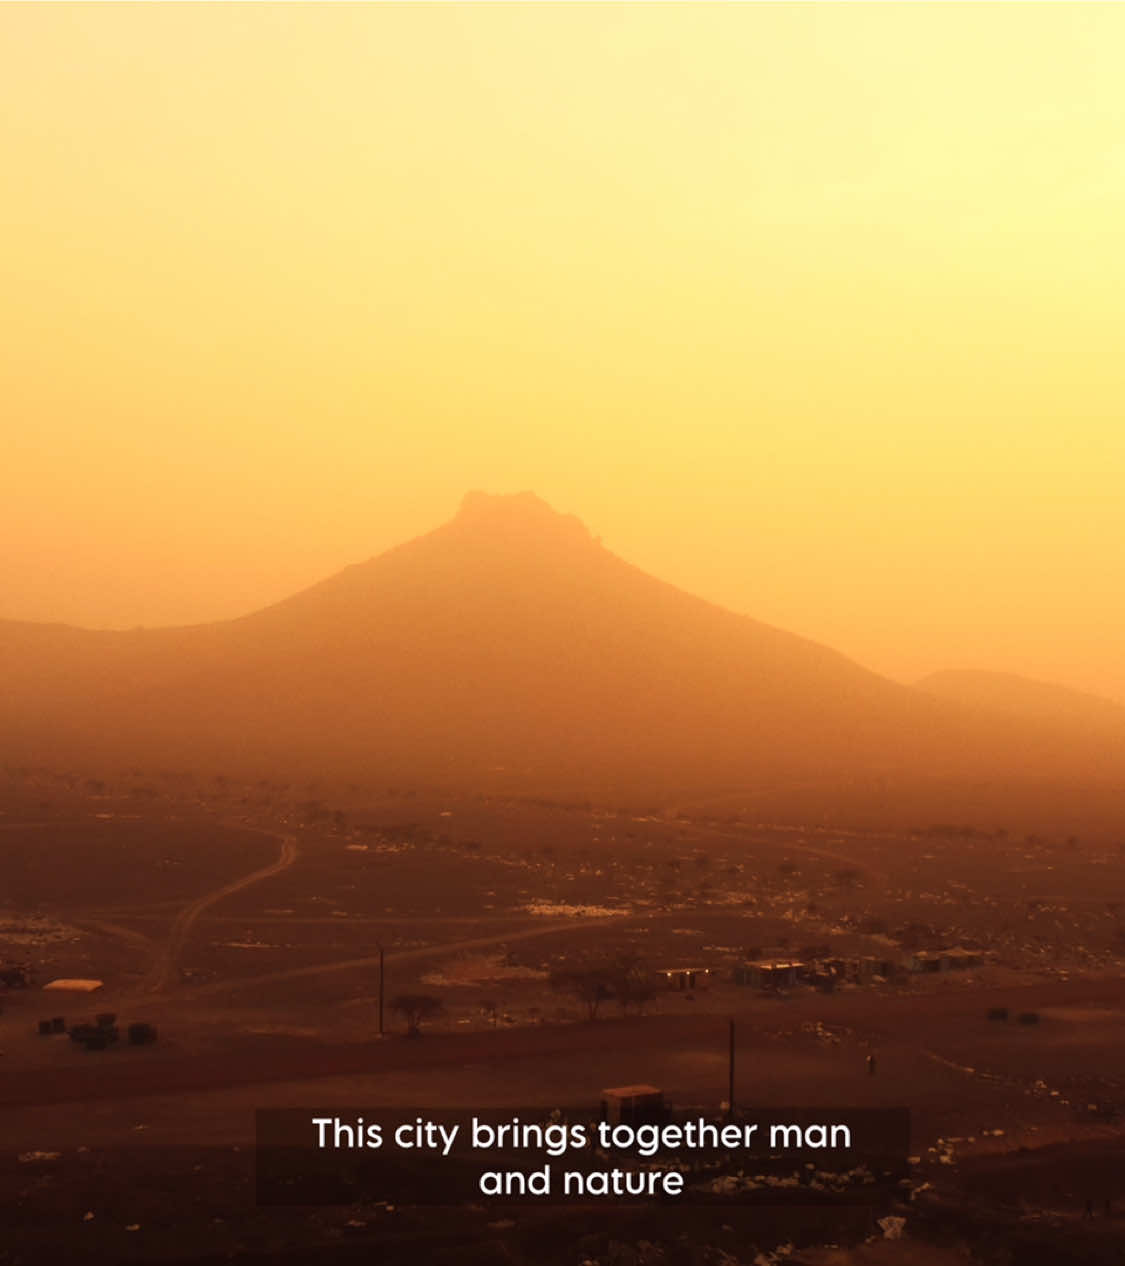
(249, 935)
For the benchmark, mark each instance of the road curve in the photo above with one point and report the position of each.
(161, 972)
(441, 949)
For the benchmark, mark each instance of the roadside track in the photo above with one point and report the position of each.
(163, 968)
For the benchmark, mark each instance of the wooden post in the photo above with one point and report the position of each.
(380, 944)
(730, 1074)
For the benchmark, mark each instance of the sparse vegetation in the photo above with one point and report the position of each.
(415, 1009)
(590, 984)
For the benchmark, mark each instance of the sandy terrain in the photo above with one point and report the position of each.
(250, 941)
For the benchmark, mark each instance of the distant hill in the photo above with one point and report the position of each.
(1024, 697)
(507, 650)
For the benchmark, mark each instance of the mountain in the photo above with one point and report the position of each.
(506, 650)
(1038, 701)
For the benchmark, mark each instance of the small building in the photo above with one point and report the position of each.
(769, 974)
(686, 978)
(841, 968)
(66, 984)
(633, 1105)
(871, 965)
(16, 976)
(945, 960)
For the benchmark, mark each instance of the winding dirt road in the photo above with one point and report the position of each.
(162, 971)
(443, 949)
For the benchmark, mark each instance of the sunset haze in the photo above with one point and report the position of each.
(562, 576)
(814, 312)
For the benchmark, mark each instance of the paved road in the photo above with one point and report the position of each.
(162, 971)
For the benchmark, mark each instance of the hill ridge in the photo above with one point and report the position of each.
(506, 649)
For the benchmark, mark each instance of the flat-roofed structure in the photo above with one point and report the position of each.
(929, 961)
(770, 974)
(633, 1105)
(685, 978)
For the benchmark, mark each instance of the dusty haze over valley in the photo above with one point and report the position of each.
(508, 650)
(562, 566)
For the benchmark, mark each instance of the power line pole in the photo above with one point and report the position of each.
(730, 1072)
(380, 945)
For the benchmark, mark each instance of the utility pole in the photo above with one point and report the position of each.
(730, 1073)
(380, 945)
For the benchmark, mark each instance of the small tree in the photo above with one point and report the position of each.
(590, 985)
(415, 1008)
(632, 982)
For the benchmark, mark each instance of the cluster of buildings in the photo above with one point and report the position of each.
(780, 972)
(824, 973)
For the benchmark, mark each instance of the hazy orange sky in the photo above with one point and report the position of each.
(816, 311)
